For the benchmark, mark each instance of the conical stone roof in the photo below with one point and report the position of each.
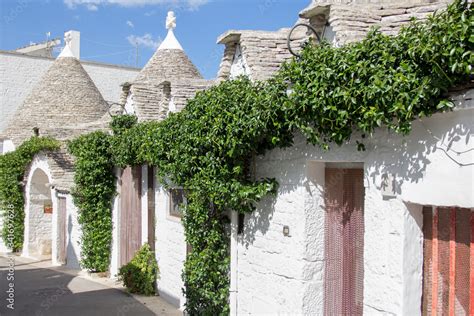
(167, 80)
(65, 96)
(169, 62)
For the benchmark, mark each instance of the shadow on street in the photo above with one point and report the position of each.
(42, 291)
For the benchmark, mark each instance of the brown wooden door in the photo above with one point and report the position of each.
(130, 214)
(151, 207)
(62, 229)
(448, 261)
(344, 241)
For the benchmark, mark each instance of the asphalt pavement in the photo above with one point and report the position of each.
(34, 288)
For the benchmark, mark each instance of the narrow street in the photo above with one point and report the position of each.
(40, 289)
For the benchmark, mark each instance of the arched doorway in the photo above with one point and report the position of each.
(39, 217)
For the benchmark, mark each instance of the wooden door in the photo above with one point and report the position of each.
(448, 261)
(344, 241)
(62, 229)
(151, 207)
(130, 214)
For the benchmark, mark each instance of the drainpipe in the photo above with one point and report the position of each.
(233, 263)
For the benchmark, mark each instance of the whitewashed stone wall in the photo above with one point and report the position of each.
(170, 250)
(3, 247)
(285, 275)
(114, 259)
(38, 226)
(20, 73)
(73, 234)
(45, 226)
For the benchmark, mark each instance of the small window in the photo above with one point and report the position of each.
(176, 202)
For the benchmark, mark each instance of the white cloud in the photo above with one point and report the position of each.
(130, 23)
(92, 7)
(150, 13)
(94, 4)
(146, 40)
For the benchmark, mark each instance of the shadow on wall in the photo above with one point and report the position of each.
(72, 260)
(408, 157)
(386, 153)
(260, 219)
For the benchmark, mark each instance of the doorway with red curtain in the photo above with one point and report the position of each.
(448, 261)
(344, 241)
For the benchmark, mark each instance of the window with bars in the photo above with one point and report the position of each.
(176, 202)
(448, 264)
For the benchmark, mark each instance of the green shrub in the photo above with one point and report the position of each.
(140, 274)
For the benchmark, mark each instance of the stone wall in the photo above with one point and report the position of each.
(170, 250)
(3, 247)
(278, 274)
(45, 226)
(20, 73)
(73, 234)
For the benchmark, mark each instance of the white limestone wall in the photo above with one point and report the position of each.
(170, 250)
(6, 146)
(38, 226)
(271, 266)
(40, 237)
(114, 257)
(3, 247)
(20, 73)
(45, 226)
(432, 166)
(109, 78)
(73, 234)
(144, 204)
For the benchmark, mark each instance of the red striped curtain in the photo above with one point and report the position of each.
(448, 271)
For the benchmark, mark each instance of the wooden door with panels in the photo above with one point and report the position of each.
(62, 230)
(130, 213)
(151, 207)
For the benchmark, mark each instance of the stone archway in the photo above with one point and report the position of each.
(39, 216)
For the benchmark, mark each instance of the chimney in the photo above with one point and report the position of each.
(75, 44)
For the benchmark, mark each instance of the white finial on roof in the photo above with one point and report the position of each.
(170, 20)
(67, 52)
(170, 41)
(68, 38)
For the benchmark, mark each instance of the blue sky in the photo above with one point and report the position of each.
(109, 26)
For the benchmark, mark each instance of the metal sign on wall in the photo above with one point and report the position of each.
(48, 208)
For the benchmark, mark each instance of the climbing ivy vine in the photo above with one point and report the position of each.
(93, 193)
(327, 94)
(13, 166)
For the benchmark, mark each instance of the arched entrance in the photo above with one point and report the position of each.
(39, 216)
